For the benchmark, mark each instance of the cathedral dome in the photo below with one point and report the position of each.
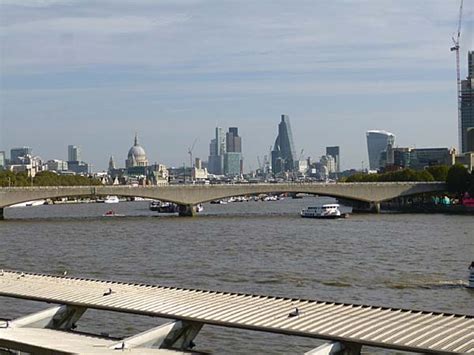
(137, 152)
(136, 155)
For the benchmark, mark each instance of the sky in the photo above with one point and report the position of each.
(92, 73)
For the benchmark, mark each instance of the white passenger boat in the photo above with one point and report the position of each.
(111, 199)
(324, 211)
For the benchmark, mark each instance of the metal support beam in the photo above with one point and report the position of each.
(176, 335)
(336, 348)
(60, 317)
(187, 210)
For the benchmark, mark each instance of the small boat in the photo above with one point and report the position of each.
(154, 205)
(168, 207)
(199, 208)
(111, 199)
(219, 202)
(325, 211)
(112, 213)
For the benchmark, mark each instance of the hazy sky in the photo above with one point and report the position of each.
(92, 73)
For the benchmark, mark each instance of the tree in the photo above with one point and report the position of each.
(458, 179)
(439, 172)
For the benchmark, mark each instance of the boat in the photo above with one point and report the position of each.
(111, 199)
(30, 203)
(199, 208)
(112, 213)
(218, 202)
(168, 207)
(154, 205)
(325, 211)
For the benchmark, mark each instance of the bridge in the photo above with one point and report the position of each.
(187, 196)
(346, 327)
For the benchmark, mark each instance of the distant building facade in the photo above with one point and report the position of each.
(18, 155)
(377, 142)
(421, 158)
(283, 153)
(335, 153)
(74, 162)
(73, 153)
(467, 107)
(57, 165)
(3, 160)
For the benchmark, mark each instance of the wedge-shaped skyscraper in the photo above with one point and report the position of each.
(283, 153)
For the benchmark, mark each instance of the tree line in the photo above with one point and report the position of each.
(44, 178)
(457, 177)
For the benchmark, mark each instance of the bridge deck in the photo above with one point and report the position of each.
(418, 331)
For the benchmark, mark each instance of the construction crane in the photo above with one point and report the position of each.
(301, 154)
(190, 152)
(455, 48)
(260, 166)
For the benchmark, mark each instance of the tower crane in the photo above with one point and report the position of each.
(455, 48)
(301, 154)
(190, 152)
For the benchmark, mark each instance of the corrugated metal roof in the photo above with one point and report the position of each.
(409, 330)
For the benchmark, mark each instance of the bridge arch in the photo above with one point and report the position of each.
(189, 195)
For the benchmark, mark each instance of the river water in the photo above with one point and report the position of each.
(416, 261)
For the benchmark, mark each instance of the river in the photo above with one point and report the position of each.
(416, 261)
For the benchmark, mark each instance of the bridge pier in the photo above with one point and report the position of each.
(375, 207)
(187, 210)
(2, 216)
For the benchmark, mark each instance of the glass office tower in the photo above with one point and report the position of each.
(377, 142)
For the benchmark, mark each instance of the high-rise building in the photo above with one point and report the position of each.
(16, 154)
(283, 153)
(334, 152)
(73, 153)
(470, 139)
(233, 155)
(377, 142)
(467, 104)
(217, 150)
(233, 141)
(225, 153)
(3, 159)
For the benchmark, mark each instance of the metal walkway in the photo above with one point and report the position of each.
(408, 330)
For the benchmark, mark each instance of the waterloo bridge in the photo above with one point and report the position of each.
(188, 196)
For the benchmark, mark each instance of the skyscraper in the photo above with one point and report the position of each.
(377, 142)
(467, 104)
(283, 153)
(225, 152)
(73, 153)
(334, 152)
(217, 149)
(233, 141)
(233, 155)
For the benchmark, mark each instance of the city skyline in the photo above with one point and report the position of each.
(165, 71)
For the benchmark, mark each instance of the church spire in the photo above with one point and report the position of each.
(136, 138)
